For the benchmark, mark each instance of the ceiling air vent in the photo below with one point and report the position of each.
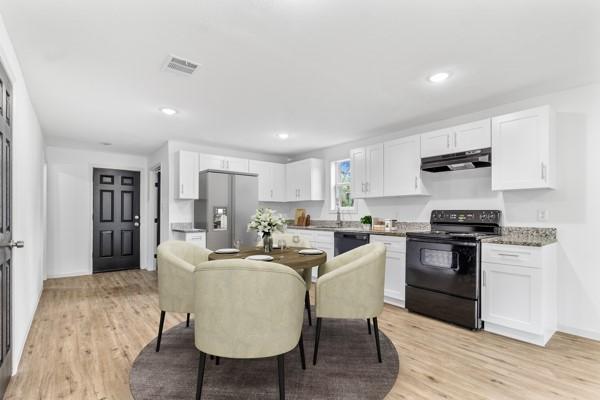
(180, 65)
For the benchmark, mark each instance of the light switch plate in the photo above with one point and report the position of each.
(542, 215)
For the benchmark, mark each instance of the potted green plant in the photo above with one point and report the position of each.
(366, 222)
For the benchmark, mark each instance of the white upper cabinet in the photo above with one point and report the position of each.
(271, 180)
(436, 143)
(187, 175)
(471, 136)
(358, 160)
(234, 164)
(367, 171)
(523, 150)
(402, 166)
(304, 180)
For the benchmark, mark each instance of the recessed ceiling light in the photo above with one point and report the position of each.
(283, 135)
(168, 111)
(439, 77)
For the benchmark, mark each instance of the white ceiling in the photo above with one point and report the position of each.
(325, 71)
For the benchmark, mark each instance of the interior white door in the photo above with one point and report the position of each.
(374, 170)
(472, 136)
(436, 143)
(358, 158)
(402, 167)
(512, 296)
(520, 150)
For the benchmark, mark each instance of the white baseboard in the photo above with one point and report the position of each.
(19, 354)
(394, 302)
(579, 332)
(69, 274)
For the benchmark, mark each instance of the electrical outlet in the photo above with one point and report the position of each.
(542, 215)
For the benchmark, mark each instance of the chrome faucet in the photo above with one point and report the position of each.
(338, 217)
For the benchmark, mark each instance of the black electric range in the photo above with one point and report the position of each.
(443, 266)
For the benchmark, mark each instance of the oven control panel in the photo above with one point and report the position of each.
(466, 216)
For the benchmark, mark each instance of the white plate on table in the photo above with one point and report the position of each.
(310, 252)
(260, 257)
(227, 251)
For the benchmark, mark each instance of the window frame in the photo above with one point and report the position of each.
(333, 184)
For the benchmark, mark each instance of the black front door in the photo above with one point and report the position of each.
(116, 220)
(6, 240)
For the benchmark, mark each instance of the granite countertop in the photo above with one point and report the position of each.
(512, 235)
(185, 227)
(187, 230)
(403, 227)
(523, 236)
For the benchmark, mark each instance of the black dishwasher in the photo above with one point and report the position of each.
(346, 241)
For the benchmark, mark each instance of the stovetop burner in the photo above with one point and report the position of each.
(461, 224)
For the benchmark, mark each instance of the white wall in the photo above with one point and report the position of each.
(28, 202)
(70, 207)
(573, 207)
(183, 210)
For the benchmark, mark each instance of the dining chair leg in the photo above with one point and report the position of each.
(369, 325)
(376, 328)
(307, 305)
(160, 329)
(200, 375)
(317, 336)
(218, 360)
(281, 374)
(187, 321)
(212, 357)
(301, 348)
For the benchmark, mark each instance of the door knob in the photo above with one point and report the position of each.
(136, 217)
(136, 224)
(18, 244)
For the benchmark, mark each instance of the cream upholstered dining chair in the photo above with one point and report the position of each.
(351, 286)
(292, 240)
(176, 262)
(247, 309)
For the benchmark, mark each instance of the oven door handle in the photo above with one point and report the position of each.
(434, 241)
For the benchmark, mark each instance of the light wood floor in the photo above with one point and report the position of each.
(88, 330)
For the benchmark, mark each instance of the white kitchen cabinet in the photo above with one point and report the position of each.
(518, 291)
(197, 238)
(471, 136)
(323, 240)
(436, 143)
(304, 180)
(367, 171)
(402, 167)
(233, 164)
(187, 175)
(395, 268)
(523, 150)
(271, 180)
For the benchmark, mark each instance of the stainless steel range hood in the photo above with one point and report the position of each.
(458, 161)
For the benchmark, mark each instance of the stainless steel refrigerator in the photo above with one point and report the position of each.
(226, 202)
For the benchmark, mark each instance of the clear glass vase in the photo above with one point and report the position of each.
(267, 242)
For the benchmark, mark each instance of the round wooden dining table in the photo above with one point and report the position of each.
(288, 256)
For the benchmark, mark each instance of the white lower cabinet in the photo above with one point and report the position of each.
(395, 268)
(518, 296)
(197, 238)
(319, 240)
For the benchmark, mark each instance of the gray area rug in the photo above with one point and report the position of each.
(347, 368)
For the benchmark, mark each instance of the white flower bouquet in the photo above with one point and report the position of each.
(266, 222)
